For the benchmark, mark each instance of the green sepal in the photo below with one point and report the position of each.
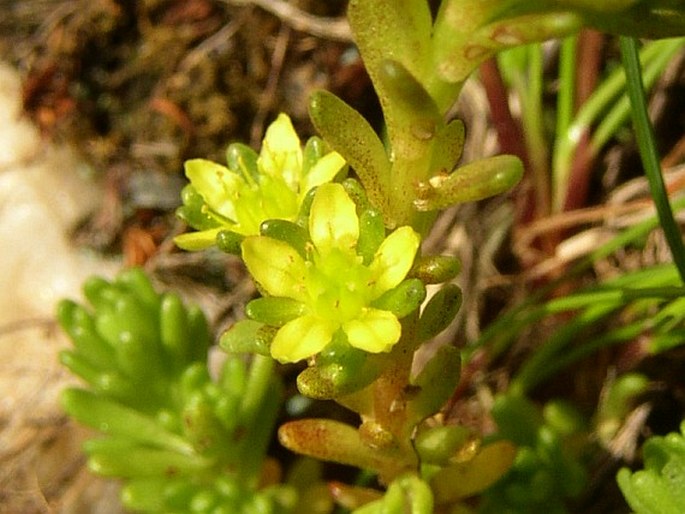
(474, 181)
(228, 241)
(371, 234)
(351, 136)
(302, 219)
(126, 459)
(435, 383)
(248, 336)
(193, 211)
(357, 193)
(111, 418)
(243, 160)
(439, 312)
(288, 232)
(403, 299)
(314, 149)
(274, 311)
(435, 269)
(437, 445)
(340, 370)
(332, 380)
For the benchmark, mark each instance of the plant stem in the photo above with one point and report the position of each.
(509, 133)
(648, 152)
(572, 193)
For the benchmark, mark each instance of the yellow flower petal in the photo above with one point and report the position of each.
(394, 259)
(323, 171)
(276, 266)
(216, 184)
(333, 221)
(281, 154)
(373, 331)
(302, 338)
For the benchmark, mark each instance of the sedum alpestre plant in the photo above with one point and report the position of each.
(173, 432)
(337, 260)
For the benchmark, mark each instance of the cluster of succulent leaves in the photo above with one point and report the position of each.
(659, 488)
(173, 433)
(342, 280)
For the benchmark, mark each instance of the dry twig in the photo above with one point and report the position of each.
(333, 28)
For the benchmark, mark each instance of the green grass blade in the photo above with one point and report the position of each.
(648, 151)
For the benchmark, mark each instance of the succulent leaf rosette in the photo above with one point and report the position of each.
(253, 188)
(329, 290)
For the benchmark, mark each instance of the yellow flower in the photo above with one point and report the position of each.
(330, 288)
(253, 188)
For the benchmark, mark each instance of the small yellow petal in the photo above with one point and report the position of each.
(281, 154)
(301, 338)
(394, 259)
(276, 266)
(373, 331)
(323, 171)
(333, 221)
(218, 185)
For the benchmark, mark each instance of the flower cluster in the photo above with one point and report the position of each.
(328, 289)
(253, 188)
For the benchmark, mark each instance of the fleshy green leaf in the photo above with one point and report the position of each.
(114, 419)
(351, 135)
(475, 181)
